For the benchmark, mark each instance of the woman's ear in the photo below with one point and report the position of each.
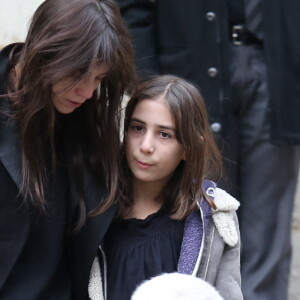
(183, 156)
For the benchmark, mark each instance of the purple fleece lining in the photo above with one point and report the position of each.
(193, 230)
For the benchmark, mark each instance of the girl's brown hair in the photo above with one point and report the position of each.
(66, 38)
(203, 159)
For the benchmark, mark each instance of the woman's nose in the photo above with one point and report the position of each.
(85, 88)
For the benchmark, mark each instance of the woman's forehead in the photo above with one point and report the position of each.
(98, 66)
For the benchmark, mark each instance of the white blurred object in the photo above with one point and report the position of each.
(175, 286)
(15, 16)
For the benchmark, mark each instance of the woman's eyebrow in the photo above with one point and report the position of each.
(103, 73)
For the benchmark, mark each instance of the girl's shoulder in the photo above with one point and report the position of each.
(224, 216)
(223, 200)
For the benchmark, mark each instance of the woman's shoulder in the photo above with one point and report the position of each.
(5, 111)
(5, 54)
(6, 50)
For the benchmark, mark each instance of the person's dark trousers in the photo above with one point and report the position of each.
(267, 181)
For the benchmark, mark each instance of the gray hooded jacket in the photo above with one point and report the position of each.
(210, 248)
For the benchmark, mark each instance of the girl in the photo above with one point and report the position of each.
(59, 145)
(171, 217)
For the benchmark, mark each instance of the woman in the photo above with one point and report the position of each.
(59, 142)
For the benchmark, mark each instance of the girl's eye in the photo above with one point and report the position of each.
(137, 128)
(164, 135)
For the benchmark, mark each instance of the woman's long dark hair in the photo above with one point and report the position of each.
(203, 159)
(65, 38)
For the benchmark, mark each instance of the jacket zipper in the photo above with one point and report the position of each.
(202, 244)
(210, 250)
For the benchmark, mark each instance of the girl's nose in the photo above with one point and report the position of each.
(147, 145)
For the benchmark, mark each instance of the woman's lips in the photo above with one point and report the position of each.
(76, 104)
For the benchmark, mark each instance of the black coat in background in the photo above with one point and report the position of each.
(191, 39)
(282, 52)
(182, 38)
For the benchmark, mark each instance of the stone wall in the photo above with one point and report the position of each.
(15, 16)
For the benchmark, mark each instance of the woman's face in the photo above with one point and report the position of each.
(68, 96)
(153, 151)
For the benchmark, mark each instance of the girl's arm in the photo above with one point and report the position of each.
(228, 279)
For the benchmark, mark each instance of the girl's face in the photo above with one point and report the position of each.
(153, 151)
(67, 99)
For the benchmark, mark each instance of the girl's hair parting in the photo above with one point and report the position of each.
(203, 159)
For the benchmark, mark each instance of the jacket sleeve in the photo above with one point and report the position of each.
(139, 15)
(228, 277)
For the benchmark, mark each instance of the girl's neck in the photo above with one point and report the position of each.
(147, 199)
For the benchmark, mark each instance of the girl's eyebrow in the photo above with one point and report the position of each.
(137, 120)
(160, 126)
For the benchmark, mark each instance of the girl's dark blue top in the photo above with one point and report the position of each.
(137, 250)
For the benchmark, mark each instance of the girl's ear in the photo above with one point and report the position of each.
(183, 156)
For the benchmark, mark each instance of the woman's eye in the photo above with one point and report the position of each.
(77, 75)
(165, 135)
